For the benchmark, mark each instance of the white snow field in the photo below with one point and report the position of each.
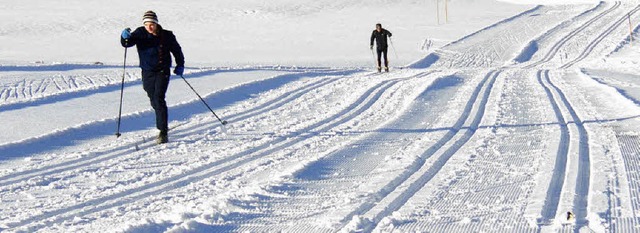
(509, 116)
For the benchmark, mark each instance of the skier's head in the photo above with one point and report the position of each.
(378, 26)
(150, 21)
(150, 16)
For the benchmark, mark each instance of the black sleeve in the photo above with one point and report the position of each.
(135, 36)
(176, 50)
(388, 32)
(373, 36)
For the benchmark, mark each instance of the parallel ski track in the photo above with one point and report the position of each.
(439, 162)
(126, 148)
(338, 171)
(212, 169)
(554, 191)
(556, 47)
(581, 200)
(600, 37)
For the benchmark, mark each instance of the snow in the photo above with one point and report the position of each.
(502, 117)
(551, 2)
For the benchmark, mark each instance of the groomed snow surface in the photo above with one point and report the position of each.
(507, 118)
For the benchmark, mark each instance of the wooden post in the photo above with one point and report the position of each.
(438, 10)
(446, 11)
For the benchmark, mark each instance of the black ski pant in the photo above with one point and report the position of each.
(155, 83)
(382, 51)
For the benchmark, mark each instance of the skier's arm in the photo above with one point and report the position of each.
(373, 36)
(126, 42)
(132, 40)
(125, 36)
(388, 32)
(176, 50)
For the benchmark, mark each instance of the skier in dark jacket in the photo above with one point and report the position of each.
(380, 35)
(154, 45)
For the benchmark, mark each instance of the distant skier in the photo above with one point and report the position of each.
(380, 35)
(154, 45)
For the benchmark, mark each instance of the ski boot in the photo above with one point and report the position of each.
(162, 137)
(379, 69)
(386, 69)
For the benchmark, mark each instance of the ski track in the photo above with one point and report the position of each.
(338, 173)
(100, 156)
(581, 200)
(629, 145)
(377, 219)
(434, 158)
(592, 45)
(313, 182)
(129, 144)
(493, 46)
(612, 142)
(582, 187)
(486, 188)
(128, 147)
(550, 209)
(435, 206)
(219, 166)
(558, 45)
(94, 122)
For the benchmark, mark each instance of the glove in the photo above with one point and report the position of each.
(371, 47)
(179, 70)
(126, 33)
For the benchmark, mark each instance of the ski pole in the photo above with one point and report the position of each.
(124, 68)
(394, 48)
(205, 103)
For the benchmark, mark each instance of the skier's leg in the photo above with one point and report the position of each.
(386, 60)
(149, 85)
(379, 58)
(162, 115)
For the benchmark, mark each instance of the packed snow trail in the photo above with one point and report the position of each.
(122, 152)
(339, 166)
(578, 171)
(264, 149)
(436, 156)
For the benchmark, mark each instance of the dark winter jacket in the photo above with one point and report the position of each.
(154, 50)
(381, 38)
